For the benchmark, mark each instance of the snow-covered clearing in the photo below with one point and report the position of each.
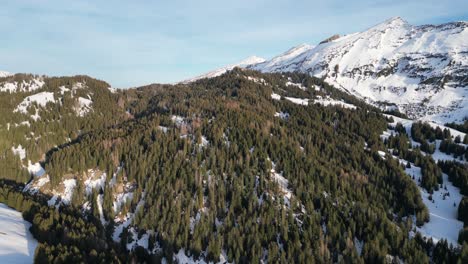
(443, 223)
(40, 98)
(407, 123)
(17, 245)
(443, 205)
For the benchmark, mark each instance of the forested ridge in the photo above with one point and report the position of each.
(229, 168)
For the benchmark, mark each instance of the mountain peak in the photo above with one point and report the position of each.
(394, 22)
(250, 60)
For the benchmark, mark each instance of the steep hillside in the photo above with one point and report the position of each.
(244, 167)
(39, 113)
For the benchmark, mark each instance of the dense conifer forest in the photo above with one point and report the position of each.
(231, 167)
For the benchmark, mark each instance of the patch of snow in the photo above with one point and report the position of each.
(93, 183)
(330, 101)
(257, 80)
(204, 142)
(35, 185)
(122, 198)
(113, 180)
(99, 201)
(40, 98)
(182, 258)
(275, 96)
(53, 200)
(298, 85)
(382, 154)
(24, 123)
(163, 128)
(20, 151)
(443, 210)
(298, 101)
(17, 245)
(282, 115)
(36, 169)
(83, 107)
(120, 225)
(69, 185)
(24, 86)
(283, 184)
(178, 120)
(358, 245)
(5, 74)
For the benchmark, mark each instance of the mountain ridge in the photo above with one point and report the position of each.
(418, 70)
(244, 63)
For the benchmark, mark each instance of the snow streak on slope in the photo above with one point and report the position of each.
(249, 61)
(420, 69)
(17, 245)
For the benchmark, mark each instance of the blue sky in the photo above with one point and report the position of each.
(131, 43)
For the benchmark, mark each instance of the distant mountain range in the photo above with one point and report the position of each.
(418, 70)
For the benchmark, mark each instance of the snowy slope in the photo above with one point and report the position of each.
(40, 99)
(4, 74)
(443, 206)
(422, 70)
(17, 244)
(244, 63)
(24, 86)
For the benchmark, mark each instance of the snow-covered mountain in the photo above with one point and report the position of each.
(422, 70)
(244, 63)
